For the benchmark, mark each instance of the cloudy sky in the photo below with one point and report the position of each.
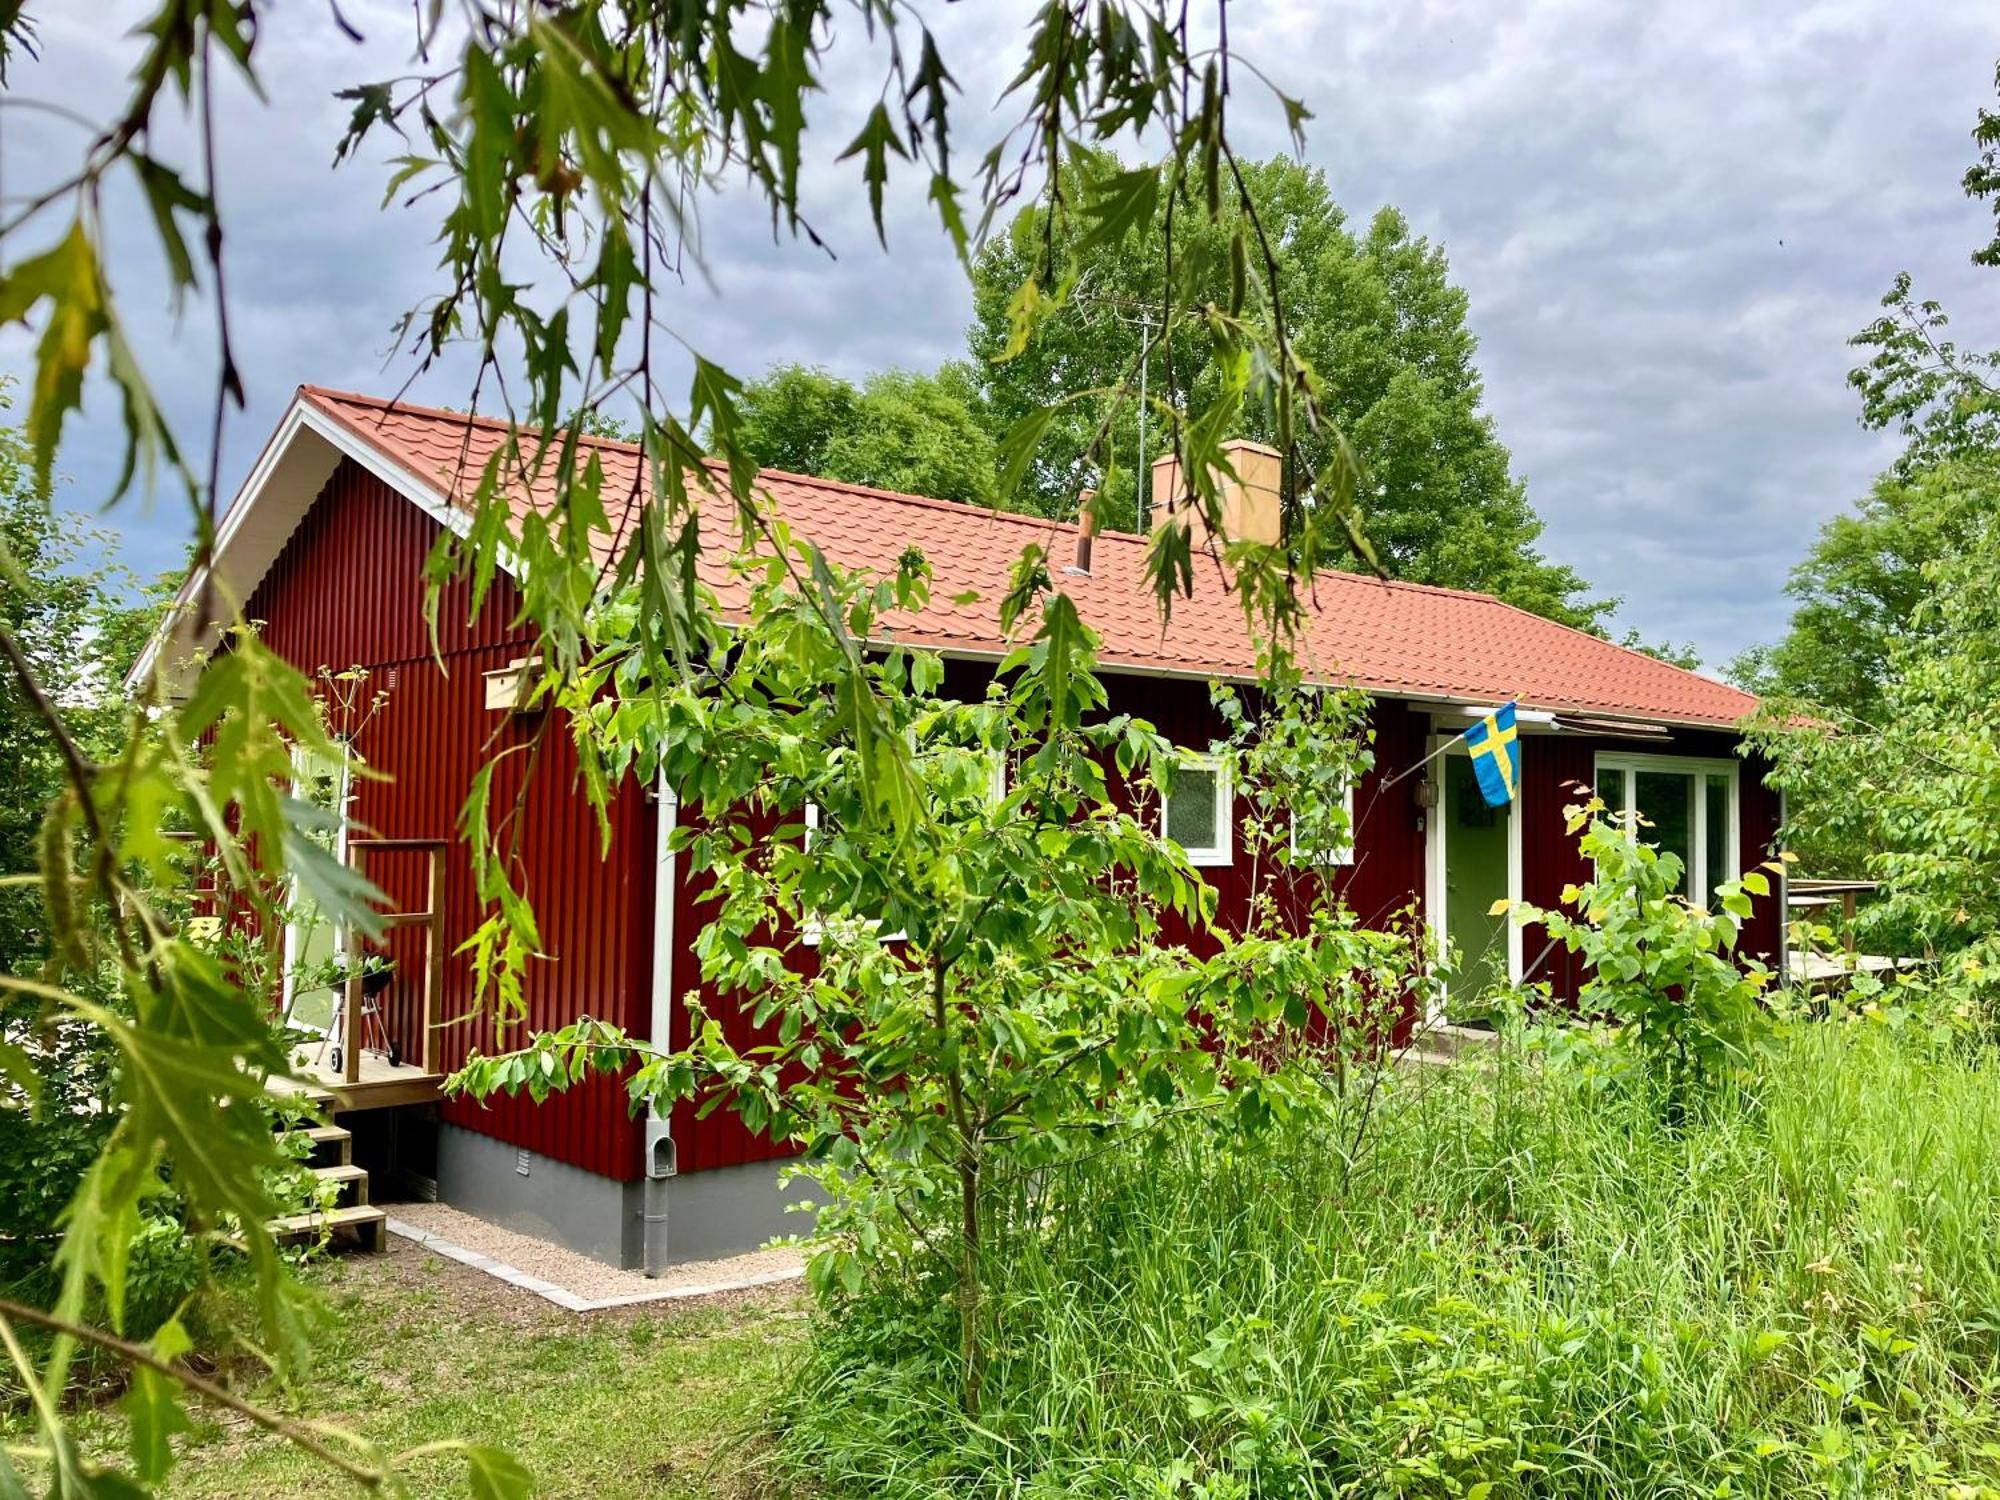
(1669, 219)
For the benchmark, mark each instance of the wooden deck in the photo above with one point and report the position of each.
(1819, 968)
(380, 1086)
(367, 1079)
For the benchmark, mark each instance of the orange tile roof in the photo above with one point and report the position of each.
(1398, 639)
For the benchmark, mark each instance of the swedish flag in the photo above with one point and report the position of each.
(1496, 756)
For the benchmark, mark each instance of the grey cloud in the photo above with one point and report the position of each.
(1612, 184)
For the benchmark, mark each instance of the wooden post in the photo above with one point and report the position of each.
(431, 920)
(350, 1010)
(351, 1025)
(1847, 915)
(433, 958)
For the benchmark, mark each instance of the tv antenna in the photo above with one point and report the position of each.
(1143, 469)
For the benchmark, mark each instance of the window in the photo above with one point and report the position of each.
(1689, 810)
(1335, 853)
(1195, 813)
(315, 948)
(814, 930)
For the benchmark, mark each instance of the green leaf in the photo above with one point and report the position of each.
(153, 1415)
(1117, 204)
(167, 197)
(373, 105)
(18, 1068)
(877, 139)
(1296, 115)
(1017, 449)
(67, 277)
(495, 1474)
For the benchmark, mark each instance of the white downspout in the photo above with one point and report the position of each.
(660, 1164)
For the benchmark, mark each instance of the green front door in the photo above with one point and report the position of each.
(1475, 876)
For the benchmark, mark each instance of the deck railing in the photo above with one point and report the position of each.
(431, 920)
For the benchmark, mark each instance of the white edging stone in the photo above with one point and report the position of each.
(562, 1296)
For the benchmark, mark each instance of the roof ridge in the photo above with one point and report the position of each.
(929, 502)
(848, 486)
(395, 406)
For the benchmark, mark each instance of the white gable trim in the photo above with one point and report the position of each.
(281, 487)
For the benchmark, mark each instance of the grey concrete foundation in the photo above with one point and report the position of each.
(551, 1200)
(708, 1214)
(731, 1210)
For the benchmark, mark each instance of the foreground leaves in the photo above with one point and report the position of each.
(953, 955)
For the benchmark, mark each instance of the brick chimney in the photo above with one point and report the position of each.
(1086, 532)
(1250, 501)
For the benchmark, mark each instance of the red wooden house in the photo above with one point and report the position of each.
(326, 542)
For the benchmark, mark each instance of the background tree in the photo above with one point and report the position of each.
(1376, 316)
(1864, 589)
(900, 430)
(1944, 400)
(1916, 790)
(68, 622)
(1859, 585)
(79, 626)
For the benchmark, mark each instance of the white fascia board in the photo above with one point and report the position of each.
(426, 496)
(257, 494)
(1524, 715)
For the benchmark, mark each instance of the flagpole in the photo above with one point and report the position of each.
(1412, 770)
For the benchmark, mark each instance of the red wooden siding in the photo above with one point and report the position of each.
(1386, 877)
(348, 590)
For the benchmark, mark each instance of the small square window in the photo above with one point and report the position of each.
(1195, 813)
(819, 825)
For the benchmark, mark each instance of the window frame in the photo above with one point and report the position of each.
(1221, 853)
(344, 798)
(1626, 765)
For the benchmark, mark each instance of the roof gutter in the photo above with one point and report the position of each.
(1601, 720)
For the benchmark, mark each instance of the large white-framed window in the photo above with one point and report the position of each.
(1691, 807)
(315, 946)
(1333, 853)
(1196, 812)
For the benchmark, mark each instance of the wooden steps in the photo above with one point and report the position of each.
(352, 1217)
(352, 1181)
(367, 1225)
(331, 1145)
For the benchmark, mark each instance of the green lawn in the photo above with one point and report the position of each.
(651, 1401)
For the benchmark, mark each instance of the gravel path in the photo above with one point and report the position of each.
(586, 1280)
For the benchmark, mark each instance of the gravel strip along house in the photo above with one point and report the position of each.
(326, 543)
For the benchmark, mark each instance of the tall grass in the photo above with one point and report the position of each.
(1525, 1284)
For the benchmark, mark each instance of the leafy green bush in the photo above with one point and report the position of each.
(44, 1152)
(1663, 968)
(1531, 1284)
